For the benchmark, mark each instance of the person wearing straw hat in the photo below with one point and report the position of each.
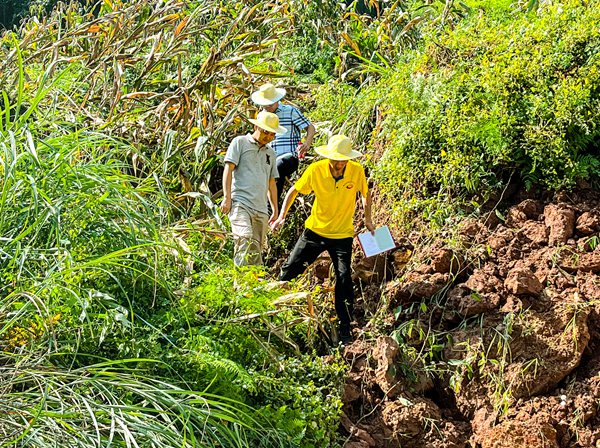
(288, 146)
(335, 182)
(248, 181)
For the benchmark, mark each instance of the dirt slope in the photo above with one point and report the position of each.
(505, 350)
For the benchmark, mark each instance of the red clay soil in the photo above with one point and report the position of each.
(515, 306)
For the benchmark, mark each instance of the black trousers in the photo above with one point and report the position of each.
(287, 165)
(307, 249)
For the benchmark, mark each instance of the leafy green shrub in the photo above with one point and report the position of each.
(225, 337)
(495, 97)
(304, 55)
(343, 108)
(304, 396)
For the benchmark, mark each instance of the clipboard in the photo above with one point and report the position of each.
(381, 242)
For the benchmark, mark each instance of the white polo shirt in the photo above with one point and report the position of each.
(254, 166)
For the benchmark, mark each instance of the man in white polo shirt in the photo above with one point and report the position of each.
(248, 180)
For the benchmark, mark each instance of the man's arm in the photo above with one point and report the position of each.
(366, 202)
(227, 175)
(290, 197)
(272, 194)
(310, 133)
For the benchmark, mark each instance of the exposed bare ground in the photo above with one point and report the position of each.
(502, 348)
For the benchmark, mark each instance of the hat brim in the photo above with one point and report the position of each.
(279, 130)
(331, 154)
(259, 98)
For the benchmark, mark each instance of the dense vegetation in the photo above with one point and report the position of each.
(505, 96)
(123, 320)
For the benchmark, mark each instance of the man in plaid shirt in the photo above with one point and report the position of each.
(286, 146)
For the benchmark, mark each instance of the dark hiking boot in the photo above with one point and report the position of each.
(345, 335)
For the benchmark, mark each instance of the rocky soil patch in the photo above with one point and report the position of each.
(493, 342)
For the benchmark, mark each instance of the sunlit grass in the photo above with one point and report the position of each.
(82, 254)
(110, 405)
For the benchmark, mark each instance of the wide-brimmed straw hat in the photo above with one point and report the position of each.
(267, 94)
(339, 147)
(269, 122)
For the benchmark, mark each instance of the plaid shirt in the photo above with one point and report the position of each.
(293, 120)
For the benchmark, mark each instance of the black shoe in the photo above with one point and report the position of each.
(345, 335)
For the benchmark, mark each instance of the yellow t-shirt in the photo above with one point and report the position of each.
(335, 201)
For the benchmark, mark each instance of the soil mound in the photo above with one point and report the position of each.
(493, 341)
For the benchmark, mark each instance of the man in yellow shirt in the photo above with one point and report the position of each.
(335, 182)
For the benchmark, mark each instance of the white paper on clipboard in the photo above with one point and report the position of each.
(381, 242)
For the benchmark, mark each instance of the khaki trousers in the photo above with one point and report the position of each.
(249, 229)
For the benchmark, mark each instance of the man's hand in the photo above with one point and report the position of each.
(273, 218)
(226, 206)
(275, 225)
(303, 149)
(370, 227)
